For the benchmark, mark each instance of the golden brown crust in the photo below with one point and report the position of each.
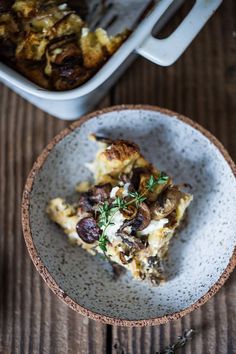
(122, 150)
(50, 38)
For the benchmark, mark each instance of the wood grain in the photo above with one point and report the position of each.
(201, 85)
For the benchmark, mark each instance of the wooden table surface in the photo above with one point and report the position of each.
(201, 85)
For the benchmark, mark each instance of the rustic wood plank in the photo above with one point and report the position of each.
(32, 319)
(202, 86)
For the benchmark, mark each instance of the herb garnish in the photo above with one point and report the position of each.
(171, 349)
(138, 198)
(104, 220)
(182, 340)
(119, 203)
(107, 211)
(152, 182)
(103, 242)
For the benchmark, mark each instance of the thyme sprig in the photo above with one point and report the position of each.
(153, 182)
(120, 203)
(103, 242)
(171, 349)
(105, 219)
(107, 211)
(182, 340)
(137, 198)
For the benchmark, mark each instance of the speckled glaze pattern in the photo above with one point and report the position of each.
(201, 254)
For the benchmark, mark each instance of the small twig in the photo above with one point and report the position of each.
(182, 340)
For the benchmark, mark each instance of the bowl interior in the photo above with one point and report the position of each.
(199, 253)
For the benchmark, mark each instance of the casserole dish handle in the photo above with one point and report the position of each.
(166, 51)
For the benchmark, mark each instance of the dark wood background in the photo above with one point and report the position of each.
(201, 85)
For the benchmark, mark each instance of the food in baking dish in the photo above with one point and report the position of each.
(51, 44)
(130, 213)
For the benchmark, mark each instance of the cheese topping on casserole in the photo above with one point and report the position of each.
(130, 213)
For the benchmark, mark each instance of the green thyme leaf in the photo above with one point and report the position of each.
(103, 240)
(104, 220)
(119, 203)
(153, 182)
(162, 178)
(134, 194)
(138, 198)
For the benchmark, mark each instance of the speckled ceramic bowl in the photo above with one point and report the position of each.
(202, 254)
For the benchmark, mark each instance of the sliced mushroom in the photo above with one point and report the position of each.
(68, 54)
(100, 192)
(133, 243)
(68, 76)
(129, 212)
(88, 230)
(166, 203)
(136, 176)
(142, 219)
(85, 202)
(95, 195)
(60, 42)
(124, 178)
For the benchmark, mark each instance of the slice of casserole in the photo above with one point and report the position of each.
(50, 43)
(130, 213)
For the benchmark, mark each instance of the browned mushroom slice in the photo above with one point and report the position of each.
(142, 219)
(129, 212)
(85, 202)
(100, 192)
(60, 42)
(66, 54)
(124, 178)
(166, 203)
(68, 76)
(136, 176)
(133, 243)
(70, 23)
(88, 230)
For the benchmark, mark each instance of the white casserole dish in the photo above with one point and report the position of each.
(71, 104)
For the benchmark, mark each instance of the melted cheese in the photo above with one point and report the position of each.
(155, 225)
(113, 192)
(111, 230)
